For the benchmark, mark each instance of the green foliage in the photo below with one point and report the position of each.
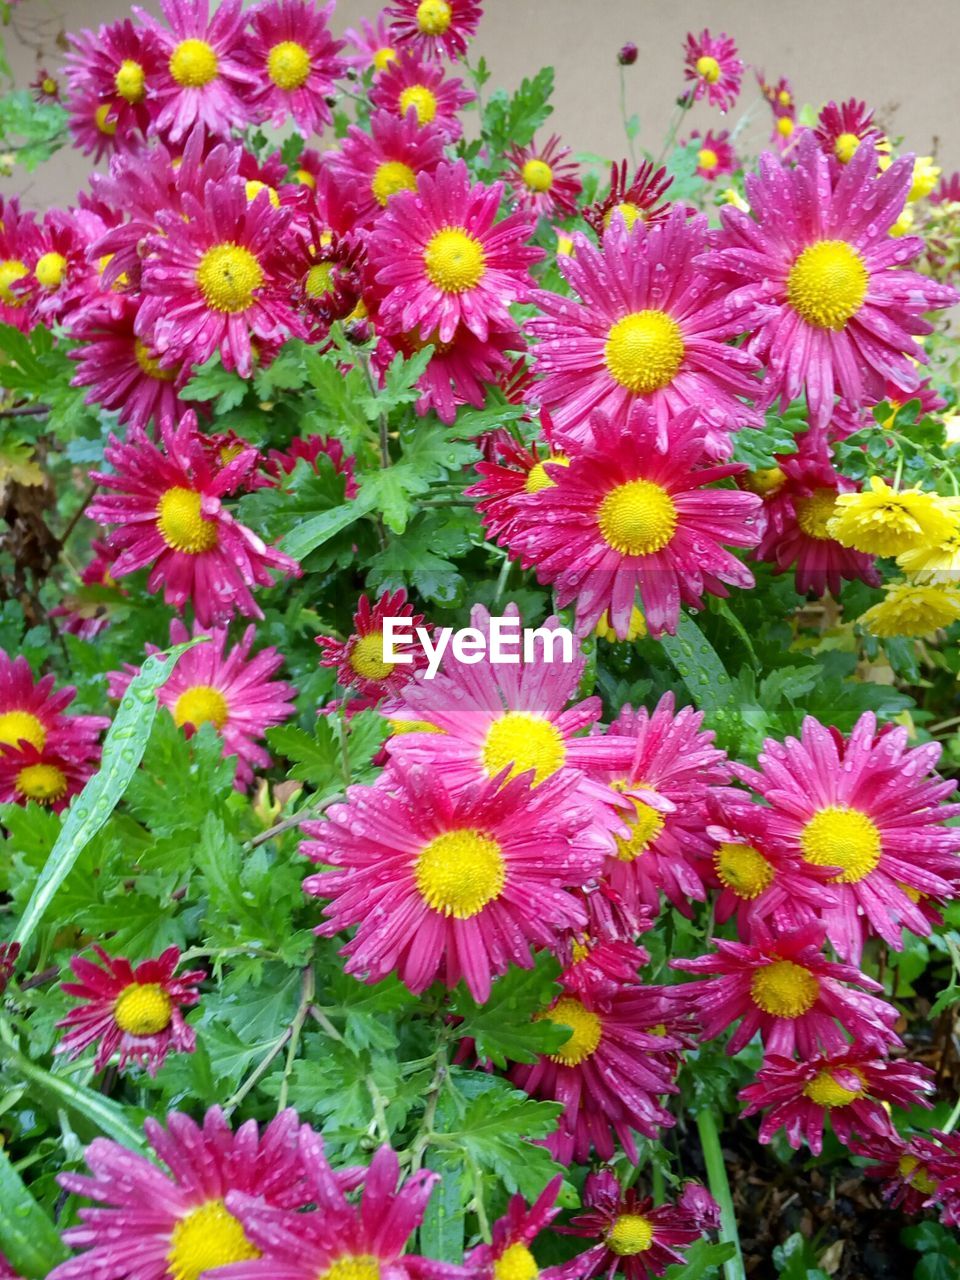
(28, 1238)
(512, 121)
(29, 129)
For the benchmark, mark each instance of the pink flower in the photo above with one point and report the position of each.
(33, 714)
(715, 154)
(444, 260)
(359, 659)
(909, 1168)
(43, 775)
(135, 1012)
(832, 308)
(19, 241)
(645, 331)
(630, 514)
(376, 166)
(510, 472)
(374, 44)
(850, 1087)
(87, 615)
(871, 808)
(443, 887)
(640, 200)
(841, 127)
(511, 1236)
(296, 62)
(714, 68)
(407, 84)
(169, 513)
(785, 988)
(119, 67)
(543, 179)
(434, 28)
(204, 79)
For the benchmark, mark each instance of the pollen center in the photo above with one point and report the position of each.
(434, 17)
(516, 1263)
(193, 64)
(149, 364)
(627, 210)
(383, 57)
(181, 525)
(362, 1267)
(827, 284)
(743, 869)
(459, 872)
(143, 1009)
(21, 726)
(288, 65)
(637, 518)
(130, 81)
(844, 838)
(630, 1234)
(824, 1090)
(103, 120)
(708, 69)
(423, 101)
(205, 1239)
(454, 260)
(645, 825)
(707, 158)
(526, 742)
(586, 1028)
(44, 783)
(537, 175)
(390, 177)
(644, 351)
(366, 657)
(537, 477)
(227, 275)
(11, 270)
(50, 270)
(845, 147)
(201, 704)
(319, 280)
(784, 989)
(813, 513)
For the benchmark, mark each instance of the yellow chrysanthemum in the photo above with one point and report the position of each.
(904, 222)
(939, 561)
(911, 609)
(732, 196)
(882, 521)
(926, 174)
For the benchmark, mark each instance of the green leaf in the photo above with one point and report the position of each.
(28, 1239)
(513, 121)
(703, 1260)
(122, 752)
(442, 1229)
(698, 665)
(317, 530)
(504, 1028)
(495, 1132)
(399, 386)
(212, 382)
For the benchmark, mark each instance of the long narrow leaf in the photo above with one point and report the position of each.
(28, 1238)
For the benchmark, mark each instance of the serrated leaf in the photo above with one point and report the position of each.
(495, 1132)
(703, 1261)
(211, 382)
(504, 1028)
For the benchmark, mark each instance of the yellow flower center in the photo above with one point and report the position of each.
(813, 513)
(193, 64)
(181, 525)
(50, 270)
(537, 477)
(423, 101)
(44, 783)
(845, 147)
(707, 158)
(319, 280)
(103, 122)
(459, 872)
(708, 69)
(645, 825)
(253, 189)
(629, 211)
(764, 480)
(143, 1009)
(826, 1092)
(454, 260)
(516, 1263)
(11, 270)
(785, 126)
(586, 1030)
(201, 704)
(413, 726)
(150, 365)
(206, 1239)
(784, 989)
(844, 838)
(17, 726)
(637, 518)
(227, 275)
(526, 742)
(288, 65)
(827, 284)
(50, 86)
(912, 1171)
(383, 57)
(537, 175)
(366, 657)
(361, 1267)
(631, 1233)
(644, 351)
(130, 81)
(391, 177)
(743, 869)
(434, 17)
(306, 179)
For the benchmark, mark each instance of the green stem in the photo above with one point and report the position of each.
(623, 117)
(720, 1190)
(952, 1121)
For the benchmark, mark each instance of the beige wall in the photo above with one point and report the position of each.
(900, 57)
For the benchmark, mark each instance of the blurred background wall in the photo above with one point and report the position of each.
(900, 58)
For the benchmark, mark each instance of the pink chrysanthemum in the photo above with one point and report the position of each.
(376, 165)
(43, 775)
(946, 1173)
(832, 307)
(785, 988)
(295, 59)
(62, 278)
(158, 1223)
(639, 200)
(169, 513)
(850, 1088)
(444, 260)
(601, 966)
(646, 330)
(841, 127)
(611, 1073)
(909, 1168)
(213, 278)
(871, 808)
(714, 68)
(434, 28)
(407, 84)
(19, 240)
(33, 714)
(136, 1012)
(630, 515)
(86, 614)
(374, 43)
(510, 472)
(508, 1253)
(229, 689)
(95, 127)
(543, 179)
(796, 516)
(118, 66)
(462, 887)
(634, 1238)
(715, 154)
(359, 659)
(204, 79)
